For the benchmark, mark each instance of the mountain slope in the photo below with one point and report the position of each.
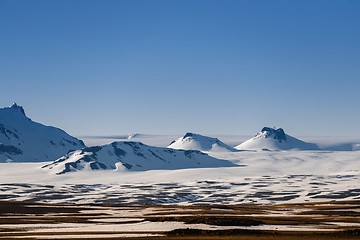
(133, 156)
(192, 141)
(275, 139)
(23, 140)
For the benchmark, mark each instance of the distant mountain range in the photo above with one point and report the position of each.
(23, 140)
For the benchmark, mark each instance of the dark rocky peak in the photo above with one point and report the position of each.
(189, 135)
(15, 108)
(278, 134)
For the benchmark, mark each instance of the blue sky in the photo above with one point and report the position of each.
(168, 67)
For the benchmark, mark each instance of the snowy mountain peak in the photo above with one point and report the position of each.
(194, 136)
(14, 105)
(24, 140)
(277, 134)
(190, 135)
(14, 108)
(193, 141)
(275, 139)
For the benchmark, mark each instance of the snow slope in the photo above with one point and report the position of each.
(275, 139)
(133, 156)
(192, 141)
(23, 140)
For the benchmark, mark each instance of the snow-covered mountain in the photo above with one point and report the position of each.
(23, 140)
(275, 139)
(133, 156)
(192, 141)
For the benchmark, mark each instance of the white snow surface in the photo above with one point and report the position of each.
(192, 141)
(270, 139)
(264, 177)
(23, 140)
(133, 156)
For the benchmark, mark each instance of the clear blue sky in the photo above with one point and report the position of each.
(212, 67)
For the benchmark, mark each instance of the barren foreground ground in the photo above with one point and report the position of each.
(321, 220)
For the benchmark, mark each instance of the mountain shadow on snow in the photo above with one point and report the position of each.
(133, 156)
